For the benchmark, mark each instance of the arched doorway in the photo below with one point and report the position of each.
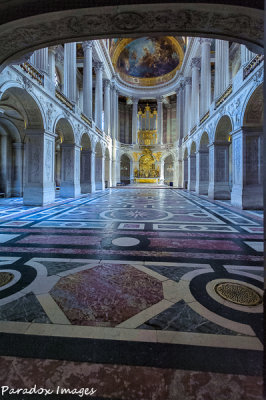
(220, 154)
(26, 148)
(169, 170)
(85, 164)
(67, 156)
(185, 169)
(107, 169)
(125, 169)
(99, 167)
(192, 167)
(247, 191)
(202, 163)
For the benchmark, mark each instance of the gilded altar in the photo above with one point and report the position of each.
(147, 166)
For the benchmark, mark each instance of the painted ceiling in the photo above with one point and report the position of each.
(147, 61)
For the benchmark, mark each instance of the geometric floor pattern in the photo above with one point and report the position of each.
(117, 291)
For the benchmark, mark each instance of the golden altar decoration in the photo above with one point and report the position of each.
(147, 167)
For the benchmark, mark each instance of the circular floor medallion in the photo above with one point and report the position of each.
(5, 278)
(125, 241)
(238, 294)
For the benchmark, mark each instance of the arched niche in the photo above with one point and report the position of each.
(223, 129)
(85, 164)
(192, 167)
(20, 115)
(185, 169)
(107, 168)
(202, 162)
(125, 169)
(99, 181)
(169, 170)
(63, 139)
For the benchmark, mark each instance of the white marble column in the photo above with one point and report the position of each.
(117, 118)
(128, 107)
(168, 131)
(70, 71)
(246, 55)
(103, 172)
(134, 119)
(180, 108)
(160, 119)
(202, 171)
(219, 172)
(99, 94)
(17, 187)
(195, 66)
(192, 171)
(247, 166)
(39, 187)
(51, 62)
(107, 107)
(85, 171)
(178, 114)
(112, 120)
(188, 83)
(185, 173)
(162, 171)
(205, 76)
(87, 79)
(41, 59)
(221, 67)
(70, 170)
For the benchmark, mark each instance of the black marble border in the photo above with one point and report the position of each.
(159, 355)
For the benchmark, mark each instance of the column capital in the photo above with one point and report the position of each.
(205, 40)
(159, 99)
(195, 63)
(106, 83)
(135, 100)
(87, 45)
(98, 66)
(188, 80)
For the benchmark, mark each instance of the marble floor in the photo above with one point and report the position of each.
(139, 293)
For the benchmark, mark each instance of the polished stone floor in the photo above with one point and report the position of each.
(118, 291)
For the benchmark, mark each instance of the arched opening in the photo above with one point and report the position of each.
(125, 169)
(169, 170)
(26, 149)
(11, 156)
(221, 161)
(247, 146)
(185, 169)
(66, 158)
(202, 162)
(99, 167)
(107, 169)
(85, 164)
(192, 167)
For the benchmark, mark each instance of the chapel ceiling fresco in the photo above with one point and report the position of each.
(147, 61)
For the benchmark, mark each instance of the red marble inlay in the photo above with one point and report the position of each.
(106, 295)
(62, 239)
(127, 382)
(194, 244)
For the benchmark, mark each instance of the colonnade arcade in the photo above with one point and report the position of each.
(69, 123)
